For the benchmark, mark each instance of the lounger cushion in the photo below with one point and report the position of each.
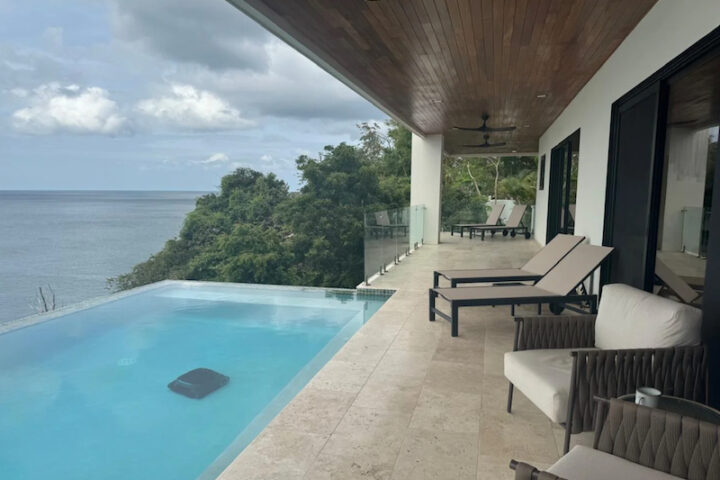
(496, 273)
(590, 464)
(633, 318)
(544, 377)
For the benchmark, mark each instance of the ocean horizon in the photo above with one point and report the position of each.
(72, 241)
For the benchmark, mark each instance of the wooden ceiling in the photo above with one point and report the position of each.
(435, 64)
(695, 95)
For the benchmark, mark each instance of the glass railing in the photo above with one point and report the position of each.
(390, 235)
(695, 232)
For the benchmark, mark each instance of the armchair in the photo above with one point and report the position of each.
(636, 442)
(637, 339)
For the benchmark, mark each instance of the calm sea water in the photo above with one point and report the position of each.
(74, 241)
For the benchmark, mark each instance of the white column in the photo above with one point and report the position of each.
(426, 180)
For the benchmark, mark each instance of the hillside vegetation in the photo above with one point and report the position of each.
(254, 230)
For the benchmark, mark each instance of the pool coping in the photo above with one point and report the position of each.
(38, 318)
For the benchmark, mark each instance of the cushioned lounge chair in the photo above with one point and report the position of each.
(513, 226)
(492, 219)
(633, 442)
(559, 286)
(532, 271)
(675, 283)
(637, 339)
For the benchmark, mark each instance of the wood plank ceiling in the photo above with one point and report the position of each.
(435, 64)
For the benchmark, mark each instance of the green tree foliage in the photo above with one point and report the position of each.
(255, 231)
(470, 182)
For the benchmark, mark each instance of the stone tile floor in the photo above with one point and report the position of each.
(405, 400)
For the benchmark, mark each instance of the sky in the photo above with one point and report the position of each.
(157, 95)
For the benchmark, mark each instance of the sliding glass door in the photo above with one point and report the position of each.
(562, 189)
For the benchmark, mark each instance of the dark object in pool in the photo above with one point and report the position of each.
(198, 383)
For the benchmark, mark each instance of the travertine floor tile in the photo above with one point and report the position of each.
(404, 400)
(390, 393)
(276, 454)
(342, 376)
(314, 410)
(429, 455)
(447, 411)
(454, 377)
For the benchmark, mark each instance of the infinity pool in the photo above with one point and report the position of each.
(84, 395)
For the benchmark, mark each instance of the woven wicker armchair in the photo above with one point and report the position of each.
(569, 366)
(635, 442)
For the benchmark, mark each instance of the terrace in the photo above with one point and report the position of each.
(620, 105)
(405, 400)
(593, 87)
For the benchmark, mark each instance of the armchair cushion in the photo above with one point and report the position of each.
(590, 464)
(543, 376)
(633, 318)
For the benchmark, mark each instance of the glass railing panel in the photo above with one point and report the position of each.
(417, 225)
(373, 246)
(692, 229)
(389, 236)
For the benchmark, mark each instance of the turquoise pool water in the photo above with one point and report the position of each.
(85, 395)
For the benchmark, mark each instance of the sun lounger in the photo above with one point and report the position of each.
(533, 270)
(513, 226)
(492, 219)
(559, 286)
(675, 283)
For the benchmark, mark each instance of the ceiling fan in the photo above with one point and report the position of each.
(486, 144)
(485, 128)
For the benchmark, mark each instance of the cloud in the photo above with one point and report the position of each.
(54, 37)
(209, 33)
(187, 107)
(216, 159)
(54, 108)
(292, 87)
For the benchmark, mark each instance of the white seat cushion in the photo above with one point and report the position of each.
(590, 464)
(544, 377)
(633, 318)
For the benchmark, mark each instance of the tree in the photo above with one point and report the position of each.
(254, 230)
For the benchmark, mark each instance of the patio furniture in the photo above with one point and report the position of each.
(682, 406)
(492, 219)
(637, 339)
(513, 226)
(674, 283)
(562, 285)
(638, 443)
(535, 268)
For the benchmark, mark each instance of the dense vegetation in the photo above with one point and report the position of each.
(256, 231)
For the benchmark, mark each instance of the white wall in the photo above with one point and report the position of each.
(685, 182)
(669, 28)
(426, 181)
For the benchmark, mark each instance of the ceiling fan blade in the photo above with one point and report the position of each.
(500, 129)
(479, 145)
(469, 129)
(501, 144)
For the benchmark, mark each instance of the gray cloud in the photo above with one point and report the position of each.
(209, 33)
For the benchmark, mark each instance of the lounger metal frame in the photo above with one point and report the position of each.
(468, 226)
(512, 231)
(529, 277)
(581, 298)
(462, 228)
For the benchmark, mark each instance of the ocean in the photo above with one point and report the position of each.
(73, 241)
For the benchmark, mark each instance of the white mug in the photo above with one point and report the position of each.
(647, 396)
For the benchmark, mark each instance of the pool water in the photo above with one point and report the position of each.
(85, 395)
